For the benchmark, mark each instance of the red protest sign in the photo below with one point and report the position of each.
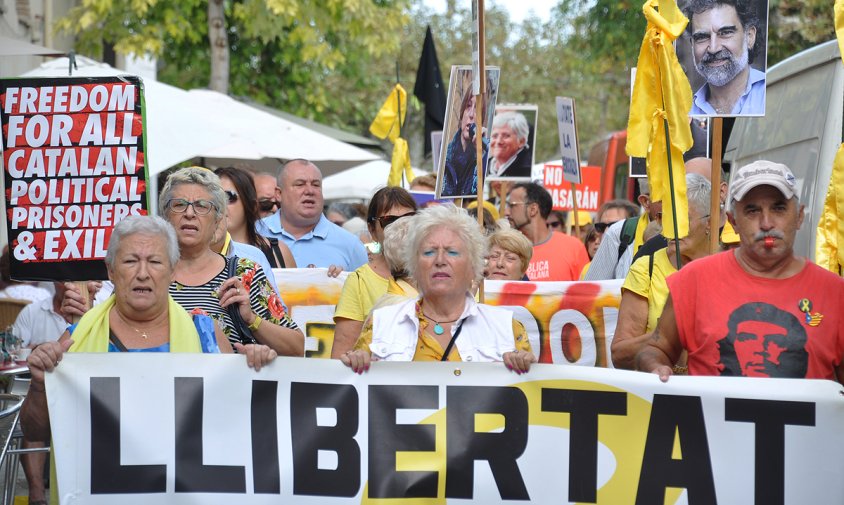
(560, 189)
(75, 165)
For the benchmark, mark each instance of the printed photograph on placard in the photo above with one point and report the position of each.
(511, 143)
(723, 51)
(457, 175)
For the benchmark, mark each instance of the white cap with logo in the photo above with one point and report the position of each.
(760, 173)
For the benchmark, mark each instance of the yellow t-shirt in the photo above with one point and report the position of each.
(360, 292)
(429, 349)
(654, 288)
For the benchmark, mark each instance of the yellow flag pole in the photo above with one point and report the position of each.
(715, 126)
(670, 171)
(479, 123)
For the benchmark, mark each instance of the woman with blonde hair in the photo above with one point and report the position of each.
(509, 256)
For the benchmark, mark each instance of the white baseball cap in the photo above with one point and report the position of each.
(760, 173)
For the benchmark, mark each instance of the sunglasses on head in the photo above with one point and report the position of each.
(231, 195)
(602, 227)
(268, 205)
(388, 220)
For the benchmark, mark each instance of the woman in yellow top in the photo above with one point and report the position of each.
(445, 254)
(369, 282)
(645, 289)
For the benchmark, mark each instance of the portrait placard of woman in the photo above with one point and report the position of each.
(457, 167)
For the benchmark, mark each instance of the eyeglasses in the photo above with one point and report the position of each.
(232, 196)
(388, 220)
(267, 205)
(555, 224)
(602, 227)
(200, 207)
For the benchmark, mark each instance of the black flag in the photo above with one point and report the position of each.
(429, 89)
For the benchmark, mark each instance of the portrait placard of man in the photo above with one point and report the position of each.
(764, 341)
(724, 54)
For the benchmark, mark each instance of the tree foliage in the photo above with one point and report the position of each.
(795, 25)
(336, 60)
(284, 53)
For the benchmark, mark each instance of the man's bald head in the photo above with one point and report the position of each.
(700, 166)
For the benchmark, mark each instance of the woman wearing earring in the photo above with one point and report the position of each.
(369, 282)
(243, 213)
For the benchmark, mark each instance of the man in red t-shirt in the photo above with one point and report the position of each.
(556, 256)
(759, 310)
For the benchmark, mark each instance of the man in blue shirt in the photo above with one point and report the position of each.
(312, 238)
(723, 36)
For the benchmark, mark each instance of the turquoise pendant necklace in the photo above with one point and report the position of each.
(438, 329)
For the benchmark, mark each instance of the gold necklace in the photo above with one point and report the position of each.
(143, 333)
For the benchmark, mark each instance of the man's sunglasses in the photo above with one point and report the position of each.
(602, 227)
(268, 205)
(388, 220)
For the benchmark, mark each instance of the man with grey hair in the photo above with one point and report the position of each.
(300, 224)
(645, 289)
(758, 310)
(508, 145)
(724, 41)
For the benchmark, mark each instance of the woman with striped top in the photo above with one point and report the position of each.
(193, 201)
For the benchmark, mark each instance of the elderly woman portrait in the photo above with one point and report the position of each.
(510, 154)
(193, 201)
(509, 256)
(645, 289)
(445, 253)
(460, 175)
(370, 281)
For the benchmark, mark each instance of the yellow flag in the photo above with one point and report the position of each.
(400, 163)
(662, 92)
(829, 243)
(388, 125)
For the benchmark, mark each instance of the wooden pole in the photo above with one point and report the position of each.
(479, 126)
(715, 125)
(574, 211)
(83, 290)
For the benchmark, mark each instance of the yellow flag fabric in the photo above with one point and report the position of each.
(386, 124)
(829, 243)
(400, 163)
(839, 25)
(662, 92)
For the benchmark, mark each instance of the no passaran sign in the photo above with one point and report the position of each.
(586, 193)
(75, 165)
